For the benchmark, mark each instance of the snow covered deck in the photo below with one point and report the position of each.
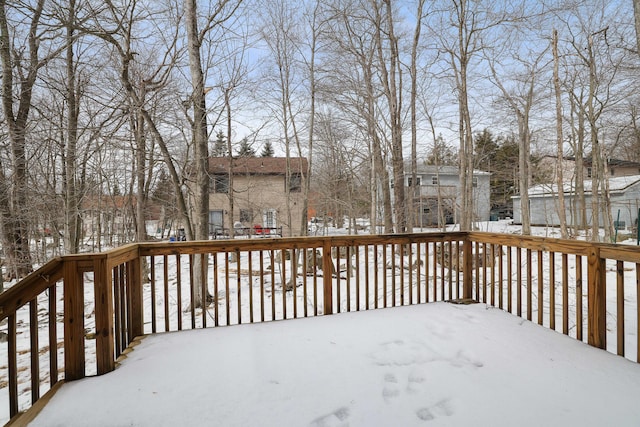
(430, 364)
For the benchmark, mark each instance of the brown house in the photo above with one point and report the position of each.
(260, 194)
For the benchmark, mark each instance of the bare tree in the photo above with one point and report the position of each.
(24, 62)
(562, 213)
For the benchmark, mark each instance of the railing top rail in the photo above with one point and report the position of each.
(204, 246)
(30, 287)
(575, 247)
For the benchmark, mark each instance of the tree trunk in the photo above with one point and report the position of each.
(562, 215)
(201, 151)
(13, 207)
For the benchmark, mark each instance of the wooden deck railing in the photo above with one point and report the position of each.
(77, 314)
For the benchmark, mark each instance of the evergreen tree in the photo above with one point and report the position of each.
(220, 147)
(441, 154)
(267, 150)
(245, 150)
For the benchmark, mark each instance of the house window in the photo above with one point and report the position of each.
(434, 180)
(219, 184)
(246, 215)
(474, 181)
(613, 172)
(269, 218)
(410, 181)
(216, 221)
(588, 172)
(295, 183)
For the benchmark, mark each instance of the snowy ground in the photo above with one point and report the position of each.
(434, 364)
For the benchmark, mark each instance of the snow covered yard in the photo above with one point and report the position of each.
(432, 364)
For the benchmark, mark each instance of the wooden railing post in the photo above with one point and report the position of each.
(597, 298)
(103, 294)
(74, 360)
(327, 277)
(134, 292)
(467, 277)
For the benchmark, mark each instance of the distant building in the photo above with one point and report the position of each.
(260, 193)
(440, 186)
(546, 169)
(543, 202)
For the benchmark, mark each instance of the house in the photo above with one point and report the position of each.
(547, 166)
(260, 194)
(543, 202)
(440, 186)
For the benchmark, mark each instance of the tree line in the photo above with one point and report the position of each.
(133, 96)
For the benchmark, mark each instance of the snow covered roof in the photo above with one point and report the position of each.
(616, 185)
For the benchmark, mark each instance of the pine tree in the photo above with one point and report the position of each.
(245, 149)
(220, 147)
(267, 150)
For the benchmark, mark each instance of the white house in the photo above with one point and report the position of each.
(439, 186)
(543, 202)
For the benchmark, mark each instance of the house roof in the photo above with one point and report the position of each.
(257, 165)
(616, 185)
(443, 170)
(610, 162)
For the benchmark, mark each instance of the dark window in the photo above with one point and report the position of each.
(295, 183)
(246, 215)
(220, 184)
(434, 180)
(410, 181)
(588, 172)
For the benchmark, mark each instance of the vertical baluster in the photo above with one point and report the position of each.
(366, 276)
(250, 264)
(216, 295)
(152, 266)
(578, 297)
(226, 289)
(401, 247)
(540, 279)
(273, 284)
(13, 364)
(376, 267)
(283, 264)
(529, 290)
(552, 291)
(509, 279)
(500, 277)
(418, 261)
(384, 276)
(166, 292)
(239, 286)
(117, 301)
(53, 336)
(315, 281)
(565, 294)
(348, 272)
(357, 249)
(620, 307)
(34, 348)
(484, 272)
(262, 286)
(294, 280)
(178, 290)
(435, 271)
(204, 265)
(192, 290)
(519, 281)
(305, 294)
